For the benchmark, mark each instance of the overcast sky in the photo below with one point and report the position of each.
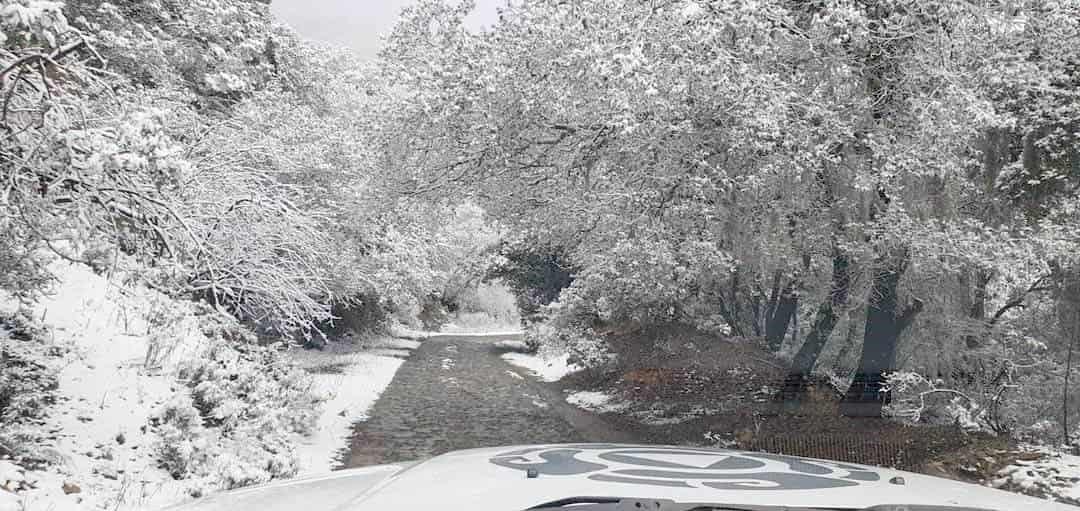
(357, 24)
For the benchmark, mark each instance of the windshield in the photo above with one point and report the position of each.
(758, 252)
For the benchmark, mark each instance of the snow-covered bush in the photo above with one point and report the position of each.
(581, 344)
(27, 386)
(22, 266)
(917, 399)
(237, 425)
(31, 22)
(649, 281)
(182, 449)
(488, 304)
(1023, 402)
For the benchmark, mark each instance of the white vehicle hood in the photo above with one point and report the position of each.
(517, 478)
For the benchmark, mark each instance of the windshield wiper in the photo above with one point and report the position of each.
(621, 504)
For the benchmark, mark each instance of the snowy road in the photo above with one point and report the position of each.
(455, 392)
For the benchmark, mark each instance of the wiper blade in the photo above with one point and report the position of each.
(621, 504)
(576, 501)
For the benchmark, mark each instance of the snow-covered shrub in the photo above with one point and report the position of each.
(23, 270)
(1023, 402)
(1033, 405)
(917, 399)
(27, 386)
(246, 406)
(358, 314)
(183, 447)
(31, 22)
(649, 281)
(433, 313)
(536, 336)
(487, 305)
(584, 348)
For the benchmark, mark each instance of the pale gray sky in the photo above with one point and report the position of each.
(358, 24)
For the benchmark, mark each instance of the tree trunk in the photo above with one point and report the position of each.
(779, 314)
(1068, 313)
(883, 328)
(824, 322)
(1065, 395)
(977, 306)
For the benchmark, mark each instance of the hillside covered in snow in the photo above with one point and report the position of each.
(145, 400)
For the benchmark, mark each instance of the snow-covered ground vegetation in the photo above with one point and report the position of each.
(595, 401)
(485, 307)
(148, 401)
(119, 397)
(550, 367)
(1043, 472)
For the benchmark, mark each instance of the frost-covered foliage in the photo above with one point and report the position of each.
(900, 177)
(488, 306)
(917, 399)
(419, 259)
(27, 386)
(650, 281)
(96, 155)
(23, 269)
(233, 161)
(238, 423)
(582, 346)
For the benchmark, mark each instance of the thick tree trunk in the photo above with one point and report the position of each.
(884, 324)
(824, 322)
(778, 316)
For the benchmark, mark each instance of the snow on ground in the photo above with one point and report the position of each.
(481, 333)
(1053, 475)
(351, 377)
(537, 401)
(548, 367)
(122, 342)
(594, 401)
(512, 345)
(403, 332)
(124, 346)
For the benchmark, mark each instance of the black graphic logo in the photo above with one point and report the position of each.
(685, 467)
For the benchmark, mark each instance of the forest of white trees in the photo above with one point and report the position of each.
(885, 194)
(225, 158)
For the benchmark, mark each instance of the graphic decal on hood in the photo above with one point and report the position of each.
(685, 467)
